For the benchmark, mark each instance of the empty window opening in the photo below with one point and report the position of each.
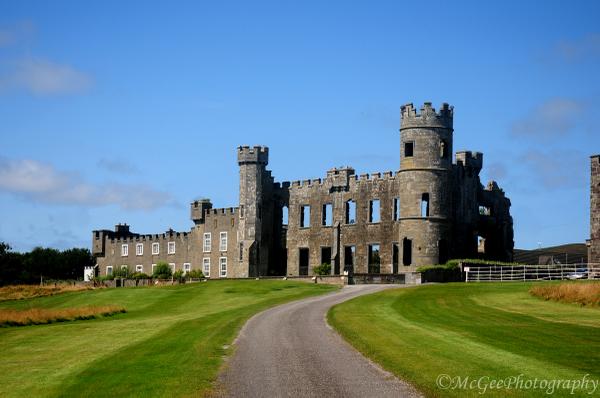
(304, 216)
(396, 209)
(406, 252)
(444, 149)
(303, 261)
(374, 211)
(374, 260)
(349, 252)
(350, 212)
(408, 149)
(326, 255)
(425, 205)
(327, 216)
(480, 244)
(485, 211)
(285, 215)
(443, 251)
(395, 257)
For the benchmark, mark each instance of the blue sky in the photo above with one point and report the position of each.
(126, 111)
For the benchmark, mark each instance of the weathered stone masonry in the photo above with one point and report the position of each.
(594, 241)
(428, 211)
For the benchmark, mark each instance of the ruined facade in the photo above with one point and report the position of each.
(430, 210)
(594, 242)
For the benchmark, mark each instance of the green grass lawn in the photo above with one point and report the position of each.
(473, 330)
(171, 341)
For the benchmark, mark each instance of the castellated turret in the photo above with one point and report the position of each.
(255, 183)
(425, 183)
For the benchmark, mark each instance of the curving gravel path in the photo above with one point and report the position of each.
(290, 351)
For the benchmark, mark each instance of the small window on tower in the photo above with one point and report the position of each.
(443, 149)
(408, 149)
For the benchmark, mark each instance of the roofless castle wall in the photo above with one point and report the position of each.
(429, 210)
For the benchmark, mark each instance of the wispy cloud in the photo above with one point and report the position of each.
(579, 49)
(41, 182)
(43, 77)
(120, 166)
(554, 118)
(15, 33)
(556, 169)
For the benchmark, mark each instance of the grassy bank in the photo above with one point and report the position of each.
(473, 330)
(170, 342)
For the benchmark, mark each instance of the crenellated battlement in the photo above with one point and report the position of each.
(470, 159)
(140, 238)
(339, 178)
(255, 154)
(223, 212)
(427, 117)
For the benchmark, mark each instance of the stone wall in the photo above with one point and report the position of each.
(594, 242)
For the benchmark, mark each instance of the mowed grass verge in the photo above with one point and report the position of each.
(171, 341)
(473, 330)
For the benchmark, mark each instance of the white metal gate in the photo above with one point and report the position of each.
(503, 273)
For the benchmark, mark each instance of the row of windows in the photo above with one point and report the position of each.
(139, 247)
(187, 267)
(350, 212)
(373, 257)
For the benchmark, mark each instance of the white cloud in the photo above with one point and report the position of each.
(554, 118)
(43, 77)
(41, 182)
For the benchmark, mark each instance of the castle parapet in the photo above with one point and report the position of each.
(198, 209)
(256, 154)
(427, 117)
(470, 159)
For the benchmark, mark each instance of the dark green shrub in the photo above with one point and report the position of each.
(323, 269)
(162, 271)
(139, 275)
(195, 274)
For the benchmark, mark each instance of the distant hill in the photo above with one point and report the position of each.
(563, 254)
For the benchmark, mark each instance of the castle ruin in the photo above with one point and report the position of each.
(430, 210)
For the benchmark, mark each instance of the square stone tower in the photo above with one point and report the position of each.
(594, 242)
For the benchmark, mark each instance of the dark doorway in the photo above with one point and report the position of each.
(326, 255)
(349, 258)
(395, 255)
(303, 261)
(443, 251)
(406, 252)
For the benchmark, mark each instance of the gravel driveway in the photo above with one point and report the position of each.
(290, 351)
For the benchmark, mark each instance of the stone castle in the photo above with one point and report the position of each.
(430, 210)
(594, 242)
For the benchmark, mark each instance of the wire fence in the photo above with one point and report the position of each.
(498, 273)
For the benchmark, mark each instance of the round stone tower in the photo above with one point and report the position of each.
(425, 184)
